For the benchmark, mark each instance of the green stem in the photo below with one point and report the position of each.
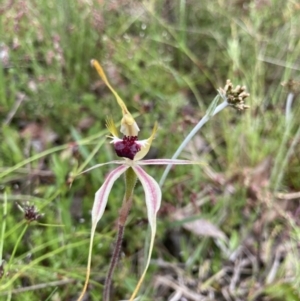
(189, 137)
(3, 229)
(130, 181)
(16, 246)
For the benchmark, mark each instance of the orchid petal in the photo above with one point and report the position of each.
(100, 202)
(101, 164)
(128, 124)
(145, 145)
(102, 194)
(111, 126)
(167, 161)
(88, 269)
(153, 200)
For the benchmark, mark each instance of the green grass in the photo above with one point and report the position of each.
(166, 59)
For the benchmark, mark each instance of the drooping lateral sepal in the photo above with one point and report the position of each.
(153, 200)
(102, 194)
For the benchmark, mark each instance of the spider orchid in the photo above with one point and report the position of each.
(132, 151)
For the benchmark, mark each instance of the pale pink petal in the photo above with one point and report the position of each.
(102, 194)
(102, 164)
(152, 193)
(100, 202)
(153, 200)
(167, 161)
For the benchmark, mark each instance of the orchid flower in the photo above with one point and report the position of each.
(132, 151)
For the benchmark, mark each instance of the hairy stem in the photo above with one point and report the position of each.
(113, 263)
(130, 180)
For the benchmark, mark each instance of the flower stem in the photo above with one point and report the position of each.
(3, 227)
(189, 137)
(113, 263)
(12, 257)
(130, 181)
(288, 107)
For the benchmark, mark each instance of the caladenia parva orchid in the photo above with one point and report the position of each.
(132, 151)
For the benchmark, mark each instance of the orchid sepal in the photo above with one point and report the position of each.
(128, 125)
(101, 197)
(146, 144)
(153, 201)
(119, 162)
(168, 161)
(102, 194)
(111, 126)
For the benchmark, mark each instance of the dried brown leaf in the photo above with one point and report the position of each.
(200, 227)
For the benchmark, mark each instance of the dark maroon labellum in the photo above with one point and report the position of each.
(128, 147)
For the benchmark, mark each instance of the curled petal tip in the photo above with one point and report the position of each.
(146, 144)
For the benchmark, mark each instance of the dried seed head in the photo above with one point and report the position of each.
(292, 85)
(30, 212)
(235, 96)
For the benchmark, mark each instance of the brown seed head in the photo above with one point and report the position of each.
(30, 213)
(235, 96)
